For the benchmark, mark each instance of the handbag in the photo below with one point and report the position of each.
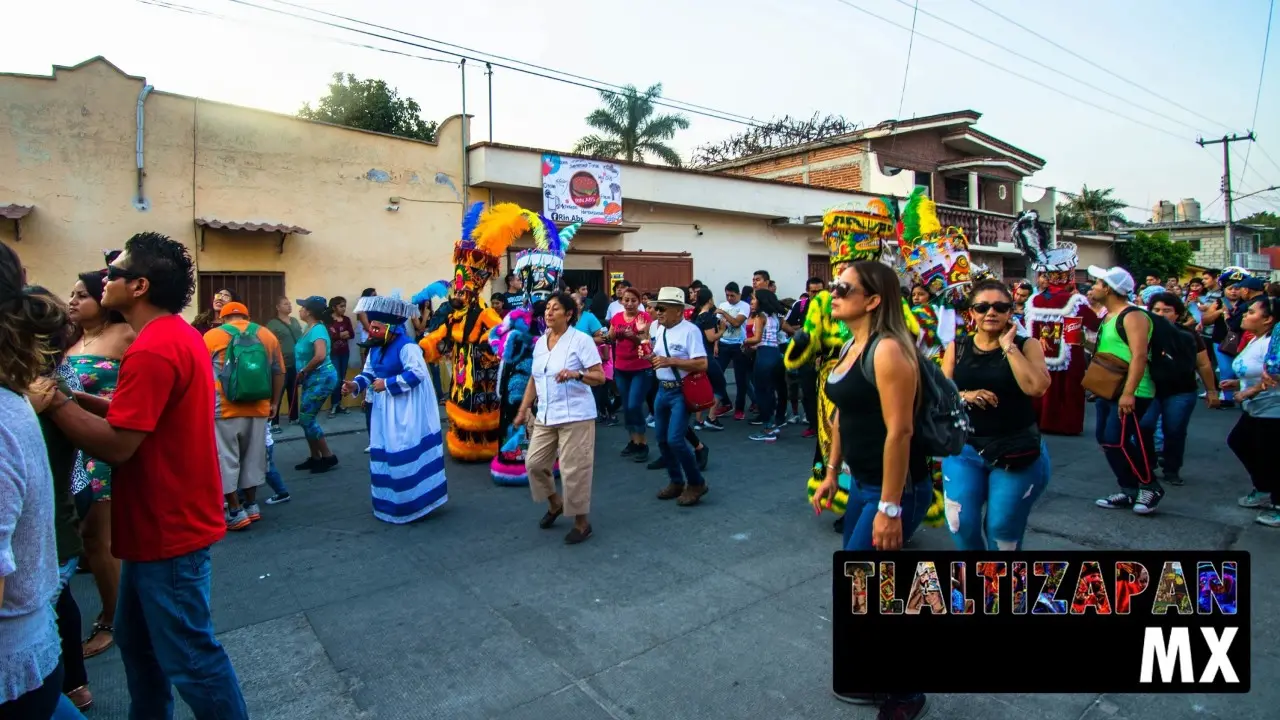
(1106, 376)
(1230, 345)
(1012, 452)
(696, 386)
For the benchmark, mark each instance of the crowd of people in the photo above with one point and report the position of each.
(112, 392)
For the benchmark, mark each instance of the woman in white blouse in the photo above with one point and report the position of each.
(565, 366)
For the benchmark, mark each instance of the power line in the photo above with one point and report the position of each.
(1048, 67)
(906, 71)
(1266, 43)
(1108, 71)
(1268, 157)
(1001, 68)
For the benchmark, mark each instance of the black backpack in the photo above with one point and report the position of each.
(942, 423)
(1171, 353)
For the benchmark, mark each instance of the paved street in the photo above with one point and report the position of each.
(717, 611)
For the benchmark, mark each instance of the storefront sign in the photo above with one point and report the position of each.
(576, 190)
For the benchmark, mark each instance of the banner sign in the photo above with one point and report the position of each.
(1042, 622)
(576, 190)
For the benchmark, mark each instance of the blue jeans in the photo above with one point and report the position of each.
(864, 504)
(273, 476)
(164, 629)
(969, 483)
(671, 423)
(633, 386)
(1132, 456)
(765, 380)
(732, 355)
(719, 386)
(1174, 415)
(1225, 372)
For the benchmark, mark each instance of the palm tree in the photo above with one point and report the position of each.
(1091, 210)
(629, 129)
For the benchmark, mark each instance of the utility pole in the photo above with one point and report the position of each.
(1226, 180)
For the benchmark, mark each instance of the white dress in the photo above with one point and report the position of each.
(406, 446)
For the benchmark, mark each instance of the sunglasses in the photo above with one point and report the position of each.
(841, 289)
(1000, 307)
(115, 272)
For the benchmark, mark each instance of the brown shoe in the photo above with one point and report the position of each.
(671, 491)
(692, 495)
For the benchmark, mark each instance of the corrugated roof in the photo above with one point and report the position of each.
(267, 227)
(15, 212)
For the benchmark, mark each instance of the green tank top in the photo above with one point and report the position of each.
(1109, 342)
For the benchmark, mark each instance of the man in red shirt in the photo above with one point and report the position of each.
(157, 434)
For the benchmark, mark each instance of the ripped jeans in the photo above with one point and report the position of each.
(969, 483)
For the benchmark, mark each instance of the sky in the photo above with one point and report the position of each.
(1158, 75)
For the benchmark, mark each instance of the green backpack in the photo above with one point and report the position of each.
(246, 368)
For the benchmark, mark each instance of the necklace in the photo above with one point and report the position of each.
(87, 341)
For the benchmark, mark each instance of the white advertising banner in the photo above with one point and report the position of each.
(576, 190)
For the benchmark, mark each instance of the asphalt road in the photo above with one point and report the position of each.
(717, 611)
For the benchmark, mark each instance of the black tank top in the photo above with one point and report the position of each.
(979, 370)
(862, 429)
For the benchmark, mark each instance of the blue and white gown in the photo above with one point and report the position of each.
(406, 446)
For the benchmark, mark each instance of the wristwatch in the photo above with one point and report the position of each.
(890, 510)
(581, 376)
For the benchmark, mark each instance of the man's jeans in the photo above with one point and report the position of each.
(732, 356)
(164, 628)
(1132, 456)
(1174, 414)
(671, 421)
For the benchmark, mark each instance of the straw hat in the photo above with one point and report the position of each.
(671, 296)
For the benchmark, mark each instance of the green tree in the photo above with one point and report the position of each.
(1091, 210)
(1271, 237)
(629, 129)
(370, 105)
(1154, 254)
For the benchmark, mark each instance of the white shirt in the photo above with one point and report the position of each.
(735, 335)
(684, 341)
(1248, 366)
(615, 307)
(572, 401)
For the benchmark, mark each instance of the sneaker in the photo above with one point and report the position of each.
(757, 420)
(275, 428)
(909, 709)
(702, 455)
(641, 454)
(1270, 518)
(613, 421)
(651, 421)
(712, 424)
(324, 465)
(278, 498)
(809, 433)
(658, 464)
(1115, 501)
(700, 425)
(333, 412)
(367, 448)
(309, 463)
(253, 512)
(767, 435)
(721, 409)
(1172, 478)
(1147, 501)
(630, 449)
(861, 698)
(238, 520)
(739, 415)
(1256, 499)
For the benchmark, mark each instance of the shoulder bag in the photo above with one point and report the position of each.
(695, 386)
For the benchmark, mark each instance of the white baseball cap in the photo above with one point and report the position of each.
(1116, 278)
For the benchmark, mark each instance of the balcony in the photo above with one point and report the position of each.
(983, 228)
(1252, 261)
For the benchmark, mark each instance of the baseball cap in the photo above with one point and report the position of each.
(233, 308)
(1253, 282)
(315, 304)
(1116, 278)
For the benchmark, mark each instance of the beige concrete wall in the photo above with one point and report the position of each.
(67, 146)
(731, 247)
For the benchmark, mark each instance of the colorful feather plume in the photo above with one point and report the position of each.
(567, 235)
(469, 224)
(554, 245)
(911, 217)
(432, 292)
(1031, 238)
(499, 227)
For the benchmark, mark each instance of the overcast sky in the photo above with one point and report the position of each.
(752, 58)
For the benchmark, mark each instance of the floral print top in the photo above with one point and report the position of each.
(98, 376)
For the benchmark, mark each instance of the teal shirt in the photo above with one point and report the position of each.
(589, 324)
(305, 349)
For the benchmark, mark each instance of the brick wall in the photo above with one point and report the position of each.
(848, 177)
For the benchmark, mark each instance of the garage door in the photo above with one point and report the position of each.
(648, 272)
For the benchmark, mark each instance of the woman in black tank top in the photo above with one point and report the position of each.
(874, 388)
(1005, 465)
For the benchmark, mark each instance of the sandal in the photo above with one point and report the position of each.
(550, 518)
(576, 536)
(81, 697)
(98, 628)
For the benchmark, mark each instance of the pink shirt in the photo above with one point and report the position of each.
(628, 350)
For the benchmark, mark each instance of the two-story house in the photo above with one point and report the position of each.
(975, 178)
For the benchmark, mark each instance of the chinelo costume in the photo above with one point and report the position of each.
(937, 258)
(851, 235)
(474, 400)
(1057, 318)
(539, 270)
(406, 450)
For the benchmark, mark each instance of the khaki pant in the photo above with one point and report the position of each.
(242, 452)
(576, 443)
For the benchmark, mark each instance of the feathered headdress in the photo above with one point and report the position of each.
(1035, 240)
(853, 234)
(487, 232)
(432, 292)
(540, 267)
(936, 257)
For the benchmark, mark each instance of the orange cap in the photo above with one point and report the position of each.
(234, 308)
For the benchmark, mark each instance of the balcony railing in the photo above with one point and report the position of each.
(1251, 261)
(980, 226)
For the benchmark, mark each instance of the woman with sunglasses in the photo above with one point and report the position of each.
(100, 341)
(1005, 465)
(874, 386)
(211, 318)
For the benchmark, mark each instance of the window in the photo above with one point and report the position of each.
(1194, 244)
(258, 291)
(956, 191)
(925, 180)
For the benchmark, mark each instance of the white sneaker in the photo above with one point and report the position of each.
(367, 449)
(1255, 499)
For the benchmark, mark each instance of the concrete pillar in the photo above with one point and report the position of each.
(1017, 197)
(973, 191)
